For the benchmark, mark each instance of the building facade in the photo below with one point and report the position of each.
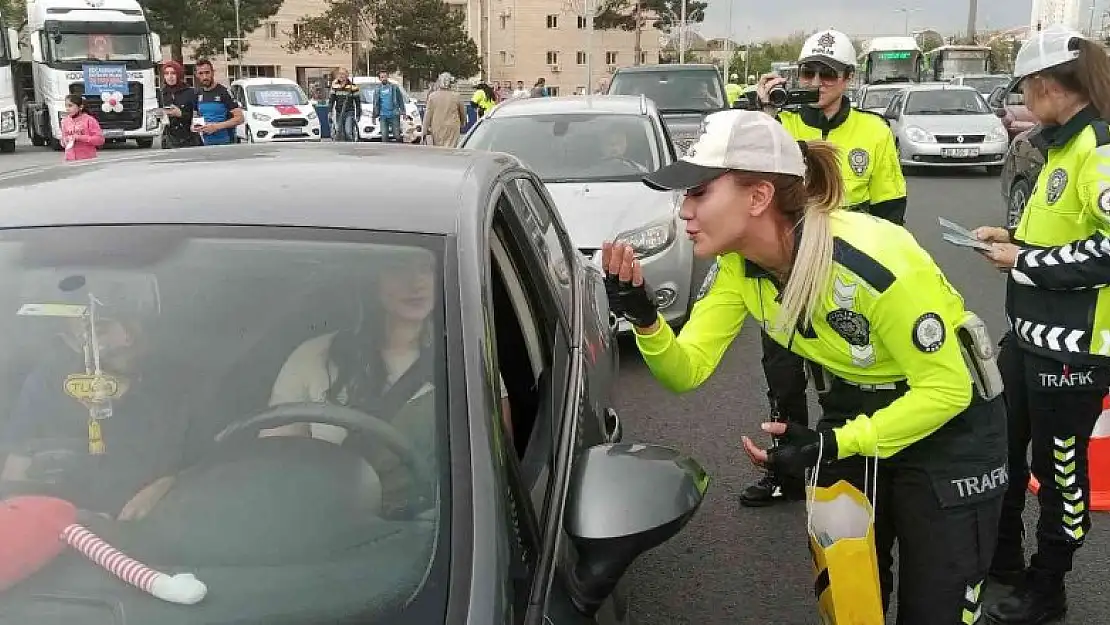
(524, 40)
(517, 39)
(1048, 12)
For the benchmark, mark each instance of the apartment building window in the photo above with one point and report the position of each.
(503, 20)
(298, 30)
(505, 58)
(552, 57)
(253, 71)
(644, 59)
(552, 21)
(610, 58)
(581, 22)
(552, 90)
(271, 30)
(581, 57)
(458, 12)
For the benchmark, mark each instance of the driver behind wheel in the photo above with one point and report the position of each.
(94, 439)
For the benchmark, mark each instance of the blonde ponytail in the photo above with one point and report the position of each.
(812, 270)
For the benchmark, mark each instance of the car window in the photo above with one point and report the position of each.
(945, 102)
(573, 147)
(275, 95)
(132, 348)
(549, 244)
(1015, 98)
(697, 91)
(878, 98)
(986, 84)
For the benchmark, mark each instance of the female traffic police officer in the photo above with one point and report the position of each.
(873, 183)
(858, 296)
(1055, 361)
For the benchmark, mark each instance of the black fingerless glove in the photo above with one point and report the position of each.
(634, 303)
(798, 449)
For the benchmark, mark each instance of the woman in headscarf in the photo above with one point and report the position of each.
(179, 102)
(444, 116)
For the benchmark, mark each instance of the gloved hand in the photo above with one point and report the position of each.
(634, 303)
(797, 450)
(629, 295)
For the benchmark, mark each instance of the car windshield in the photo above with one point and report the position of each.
(689, 91)
(182, 392)
(945, 102)
(587, 147)
(276, 95)
(70, 47)
(986, 84)
(878, 98)
(368, 89)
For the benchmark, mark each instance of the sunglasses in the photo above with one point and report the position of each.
(824, 72)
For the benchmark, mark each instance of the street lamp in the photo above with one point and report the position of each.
(239, 38)
(588, 10)
(227, 57)
(907, 12)
(682, 35)
(365, 44)
(728, 42)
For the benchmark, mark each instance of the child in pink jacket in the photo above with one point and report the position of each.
(81, 134)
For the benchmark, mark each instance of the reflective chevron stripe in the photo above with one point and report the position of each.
(973, 609)
(1075, 253)
(1055, 338)
(1064, 467)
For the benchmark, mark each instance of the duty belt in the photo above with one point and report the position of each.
(873, 388)
(823, 381)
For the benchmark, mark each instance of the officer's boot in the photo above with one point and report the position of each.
(770, 489)
(1040, 598)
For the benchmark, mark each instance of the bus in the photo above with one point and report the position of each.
(892, 59)
(947, 62)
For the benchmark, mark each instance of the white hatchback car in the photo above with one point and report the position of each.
(274, 109)
(369, 129)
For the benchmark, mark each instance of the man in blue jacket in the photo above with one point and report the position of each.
(389, 104)
(221, 113)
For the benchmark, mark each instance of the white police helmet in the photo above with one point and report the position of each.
(1050, 47)
(831, 47)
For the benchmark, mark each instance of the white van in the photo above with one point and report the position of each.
(369, 129)
(274, 109)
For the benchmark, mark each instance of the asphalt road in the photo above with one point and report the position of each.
(735, 565)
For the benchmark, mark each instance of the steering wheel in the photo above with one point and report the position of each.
(358, 424)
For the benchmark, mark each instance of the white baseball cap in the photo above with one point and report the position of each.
(829, 47)
(1050, 47)
(734, 140)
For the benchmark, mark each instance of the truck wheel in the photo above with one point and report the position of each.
(145, 143)
(7, 146)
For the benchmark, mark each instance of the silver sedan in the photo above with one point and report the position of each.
(946, 126)
(591, 152)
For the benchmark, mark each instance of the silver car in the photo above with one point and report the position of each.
(946, 126)
(591, 152)
(875, 98)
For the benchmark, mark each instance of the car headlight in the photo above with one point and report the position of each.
(311, 115)
(918, 135)
(7, 121)
(259, 117)
(650, 239)
(997, 135)
(153, 119)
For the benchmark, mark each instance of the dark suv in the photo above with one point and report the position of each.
(1019, 174)
(684, 95)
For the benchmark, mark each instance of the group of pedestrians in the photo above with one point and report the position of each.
(804, 214)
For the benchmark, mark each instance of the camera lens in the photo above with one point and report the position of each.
(778, 96)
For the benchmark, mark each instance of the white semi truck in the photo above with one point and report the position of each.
(103, 50)
(9, 114)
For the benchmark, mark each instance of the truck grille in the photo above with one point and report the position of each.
(131, 118)
(289, 122)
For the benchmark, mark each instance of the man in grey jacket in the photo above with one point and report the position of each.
(389, 104)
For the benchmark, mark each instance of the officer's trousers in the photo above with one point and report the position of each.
(939, 500)
(786, 379)
(1053, 408)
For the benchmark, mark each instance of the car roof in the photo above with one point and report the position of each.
(665, 67)
(247, 82)
(940, 86)
(563, 105)
(329, 185)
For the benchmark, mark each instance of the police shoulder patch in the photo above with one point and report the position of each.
(851, 326)
(1104, 201)
(929, 332)
(710, 278)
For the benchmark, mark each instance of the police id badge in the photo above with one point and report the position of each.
(1057, 182)
(859, 159)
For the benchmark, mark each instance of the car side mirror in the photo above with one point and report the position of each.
(625, 499)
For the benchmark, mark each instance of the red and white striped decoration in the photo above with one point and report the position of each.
(111, 559)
